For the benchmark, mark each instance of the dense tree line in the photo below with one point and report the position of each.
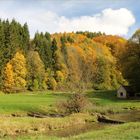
(90, 34)
(13, 37)
(131, 61)
(73, 61)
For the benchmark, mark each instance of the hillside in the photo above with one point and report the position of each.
(58, 61)
(62, 61)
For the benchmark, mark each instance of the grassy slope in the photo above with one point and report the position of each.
(128, 131)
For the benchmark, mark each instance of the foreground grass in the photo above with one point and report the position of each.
(12, 126)
(128, 131)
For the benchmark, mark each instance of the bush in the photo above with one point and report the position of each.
(59, 76)
(35, 84)
(75, 104)
(44, 85)
(52, 84)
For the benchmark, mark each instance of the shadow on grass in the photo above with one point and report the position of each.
(108, 95)
(103, 94)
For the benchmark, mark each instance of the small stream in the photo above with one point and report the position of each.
(77, 129)
(129, 116)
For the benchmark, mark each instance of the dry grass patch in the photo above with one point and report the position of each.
(26, 125)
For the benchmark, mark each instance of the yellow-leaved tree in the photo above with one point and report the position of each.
(8, 78)
(15, 74)
(19, 71)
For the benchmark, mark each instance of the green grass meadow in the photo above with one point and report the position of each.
(103, 102)
(26, 102)
(106, 101)
(41, 101)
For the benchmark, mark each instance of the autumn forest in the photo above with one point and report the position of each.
(66, 61)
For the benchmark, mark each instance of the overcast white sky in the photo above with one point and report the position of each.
(117, 17)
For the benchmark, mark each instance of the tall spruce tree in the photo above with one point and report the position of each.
(54, 49)
(42, 43)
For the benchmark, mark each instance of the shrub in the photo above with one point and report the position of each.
(75, 104)
(52, 84)
(35, 84)
(44, 85)
(59, 76)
